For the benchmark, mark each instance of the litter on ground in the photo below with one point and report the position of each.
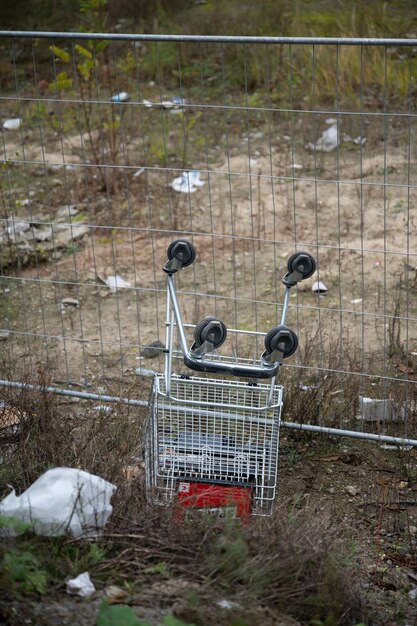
(62, 500)
(188, 182)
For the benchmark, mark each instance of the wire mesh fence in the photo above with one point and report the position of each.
(253, 148)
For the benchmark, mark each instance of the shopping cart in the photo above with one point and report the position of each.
(211, 443)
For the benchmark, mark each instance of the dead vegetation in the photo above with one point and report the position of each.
(324, 555)
(294, 563)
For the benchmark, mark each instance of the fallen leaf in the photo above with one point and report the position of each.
(115, 595)
(328, 458)
(405, 369)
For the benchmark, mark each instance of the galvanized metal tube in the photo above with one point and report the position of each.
(73, 394)
(285, 304)
(339, 432)
(338, 41)
(177, 313)
(168, 343)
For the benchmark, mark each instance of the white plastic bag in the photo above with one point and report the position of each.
(328, 141)
(62, 500)
(187, 182)
(81, 586)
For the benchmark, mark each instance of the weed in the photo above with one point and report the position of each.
(23, 571)
(124, 616)
(32, 565)
(117, 616)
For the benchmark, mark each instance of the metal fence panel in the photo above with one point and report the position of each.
(300, 144)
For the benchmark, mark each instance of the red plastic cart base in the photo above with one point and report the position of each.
(221, 499)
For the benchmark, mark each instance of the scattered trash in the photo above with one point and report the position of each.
(153, 349)
(62, 500)
(19, 238)
(143, 371)
(359, 141)
(174, 104)
(116, 282)
(115, 595)
(4, 334)
(412, 594)
(252, 162)
(297, 166)
(309, 387)
(104, 408)
(16, 227)
(70, 302)
(187, 182)
(319, 287)
(14, 123)
(229, 605)
(374, 410)
(328, 141)
(139, 172)
(356, 301)
(66, 211)
(388, 446)
(81, 586)
(178, 103)
(351, 490)
(123, 96)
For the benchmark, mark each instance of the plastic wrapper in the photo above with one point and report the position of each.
(62, 500)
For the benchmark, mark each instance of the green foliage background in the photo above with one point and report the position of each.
(360, 18)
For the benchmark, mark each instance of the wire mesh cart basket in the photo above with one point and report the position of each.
(212, 443)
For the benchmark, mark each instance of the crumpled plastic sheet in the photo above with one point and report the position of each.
(123, 96)
(117, 282)
(188, 182)
(14, 123)
(62, 500)
(81, 586)
(328, 141)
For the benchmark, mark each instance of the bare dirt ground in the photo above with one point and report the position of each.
(350, 208)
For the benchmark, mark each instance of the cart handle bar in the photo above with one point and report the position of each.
(265, 370)
(280, 342)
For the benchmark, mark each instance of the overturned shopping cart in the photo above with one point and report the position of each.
(212, 443)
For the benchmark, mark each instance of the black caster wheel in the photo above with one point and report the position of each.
(303, 263)
(282, 339)
(183, 251)
(210, 329)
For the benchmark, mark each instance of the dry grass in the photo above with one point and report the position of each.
(297, 558)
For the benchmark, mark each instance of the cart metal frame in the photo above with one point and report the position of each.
(212, 443)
